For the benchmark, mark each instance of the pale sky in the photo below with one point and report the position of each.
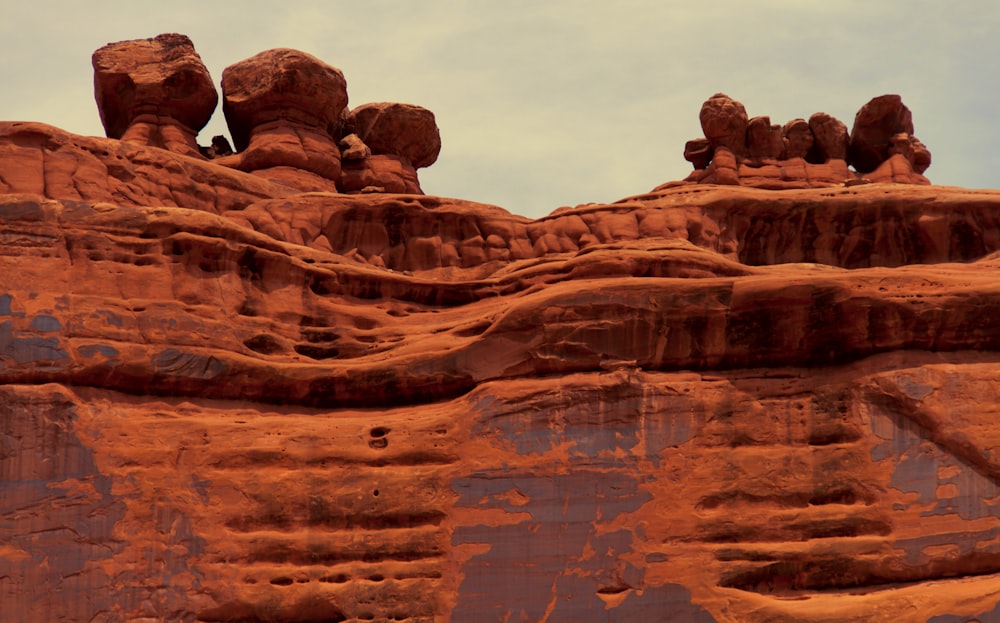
(547, 104)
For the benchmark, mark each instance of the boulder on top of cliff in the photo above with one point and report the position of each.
(281, 83)
(400, 138)
(798, 138)
(282, 107)
(764, 140)
(154, 92)
(830, 138)
(403, 130)
(804, 154)
(876, 123)
(724, 122)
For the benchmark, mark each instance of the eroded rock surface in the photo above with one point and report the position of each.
(154, 92)
(814, 154)
(222, 399)
(283, 108)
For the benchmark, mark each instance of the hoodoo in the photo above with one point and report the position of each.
(283, 385)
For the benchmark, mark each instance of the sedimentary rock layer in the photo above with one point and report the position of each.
(224, 400)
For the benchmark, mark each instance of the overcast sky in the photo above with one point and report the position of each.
(545, 104)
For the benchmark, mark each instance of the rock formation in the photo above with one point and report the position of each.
(286, 111)
(283, 108)
(154, 92)
(399, 139)
(738, 150)
(223, 399)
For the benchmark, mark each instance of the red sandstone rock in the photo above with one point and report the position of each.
(798, 139)
(403, 130)
(830, 137)
(724, 122)
(222, 400)
(764, 141)
(698, 152)
(154, 92)
(380, 173)
(806, 155)
(874, 126)
(283, 107)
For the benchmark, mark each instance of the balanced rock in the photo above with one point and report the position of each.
(724, 122)
(875, 125)
(154, 92)
(283, 107)
(401, 138)
(802, 154)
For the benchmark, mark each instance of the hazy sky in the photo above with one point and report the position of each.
(545, 104)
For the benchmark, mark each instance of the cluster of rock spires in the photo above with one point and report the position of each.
(227, 399)
(286, 110)
(819, 152)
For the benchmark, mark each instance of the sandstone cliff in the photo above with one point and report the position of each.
(259, 386)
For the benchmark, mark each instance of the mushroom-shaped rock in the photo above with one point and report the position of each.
(874, 126)
(401, 137)
(724, 122)
(764, 140)
(403, 130)
(798, 138)
(830, 138)
(698, 152)
(154, 92)
(281, 106)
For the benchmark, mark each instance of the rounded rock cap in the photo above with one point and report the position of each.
(402, 130)
(163, 74)
(281, 84)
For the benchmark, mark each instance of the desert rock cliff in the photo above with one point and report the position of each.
(280, 384)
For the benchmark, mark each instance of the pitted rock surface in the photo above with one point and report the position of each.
(225, 399)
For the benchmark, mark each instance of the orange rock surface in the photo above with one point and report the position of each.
(226, 399)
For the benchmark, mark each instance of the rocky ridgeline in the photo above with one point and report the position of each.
(739, 150)
(286, 110)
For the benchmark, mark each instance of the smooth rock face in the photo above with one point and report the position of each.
(154, 92)
(225, 400)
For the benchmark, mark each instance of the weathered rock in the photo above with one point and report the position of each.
(283, 107)
(921, 159)
(403, 130)
(154, 92)
(724, 122)
(764, 140)
(874, 126)
(385, 172)
(830, 137)
(802, 154)
(223, 400)
(353, 149)
(798, 139)
(698, 152)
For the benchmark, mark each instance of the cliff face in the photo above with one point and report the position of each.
(227, 399)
